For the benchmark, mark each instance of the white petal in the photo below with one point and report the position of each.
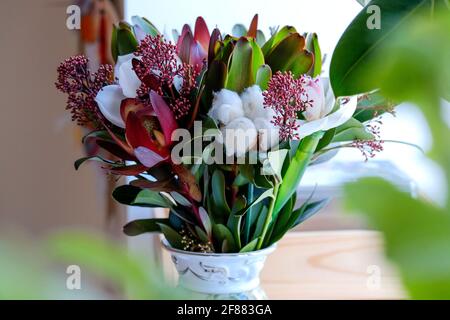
(120, 61)
(108, 100)
(315, 93)
(147, 157)
(128, 80)
(344, 113)
(240, 136)
(329, 97)
(268, 134)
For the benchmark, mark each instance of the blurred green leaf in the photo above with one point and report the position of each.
(359, 44)
(145, 25)
(134, 196)
(352, 130)
(137, 227)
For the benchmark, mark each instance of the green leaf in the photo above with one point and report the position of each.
(276, 38)
(307, 211)
(114, 46)
(260, 222)
(201, 234)
(263, 76)
(312, 44)
(296, 170)
(239, 30)
(173, 237)
(126, 42)
(221, 233)
(234, 221)
(137, 227)
(285, 53)
(251, 246)
(326, 140)
(372, 105)
(218, 193)
(352, 130)
(359, 44)
(245, 61)
(145, 25)
(133, 196)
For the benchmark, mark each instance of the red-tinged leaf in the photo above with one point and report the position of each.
(127, 170)
(215, 36)
(130, 105)
(253, 30)
(137, 134)
(165, 116)
(125, 146)
(184, 45)
(303, 64)
(197, 56)
(186, 29)
(168, 185)
(188, 180)
(201, 33)
(148, 157)
(115, 150)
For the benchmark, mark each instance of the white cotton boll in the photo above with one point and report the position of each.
(227, 113)
(268, 134)
(240, 136)
(253, 103)
(226, 96)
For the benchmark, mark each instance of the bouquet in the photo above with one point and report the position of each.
(217, 128)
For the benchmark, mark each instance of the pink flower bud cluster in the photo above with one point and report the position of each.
(82, 86)
(287, 97)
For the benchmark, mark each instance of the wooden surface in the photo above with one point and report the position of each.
(330, 265)
(327, 265)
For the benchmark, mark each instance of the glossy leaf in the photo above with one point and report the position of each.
(145, 25)
(251, 246)
(133, 196)
(276, 38)
(359, 44)
(218, 192)
(352, 130)
(201, 33)
(173, 237)
(263, 76)
(240, 73)
(138, 227)
(296, 170)
(312, 44)
(221, 233)
(126, 42)
(253, 30)
(80, 161)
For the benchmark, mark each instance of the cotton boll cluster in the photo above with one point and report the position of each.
(244, 122)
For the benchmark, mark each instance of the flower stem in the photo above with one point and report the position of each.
(268, 217)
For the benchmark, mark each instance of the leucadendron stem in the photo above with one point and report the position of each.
(291, 179)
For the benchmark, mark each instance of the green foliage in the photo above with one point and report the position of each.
(414, 65)
(359, 44)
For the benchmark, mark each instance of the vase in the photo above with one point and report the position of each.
(230, 276)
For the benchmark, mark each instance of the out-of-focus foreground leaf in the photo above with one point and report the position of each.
(415, 67)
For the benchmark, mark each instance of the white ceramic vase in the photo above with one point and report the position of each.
(220, 276)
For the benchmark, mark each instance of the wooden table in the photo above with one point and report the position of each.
(331, 265)
(326, 265)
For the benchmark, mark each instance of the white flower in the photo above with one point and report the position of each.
(347, 107)
(128, 80)
(109, 99)
(239, 136)
(226, 106)
(317, 116)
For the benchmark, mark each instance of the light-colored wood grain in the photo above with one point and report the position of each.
(330, 265)
(326, 265)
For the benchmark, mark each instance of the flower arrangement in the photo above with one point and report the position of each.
(217, 128)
